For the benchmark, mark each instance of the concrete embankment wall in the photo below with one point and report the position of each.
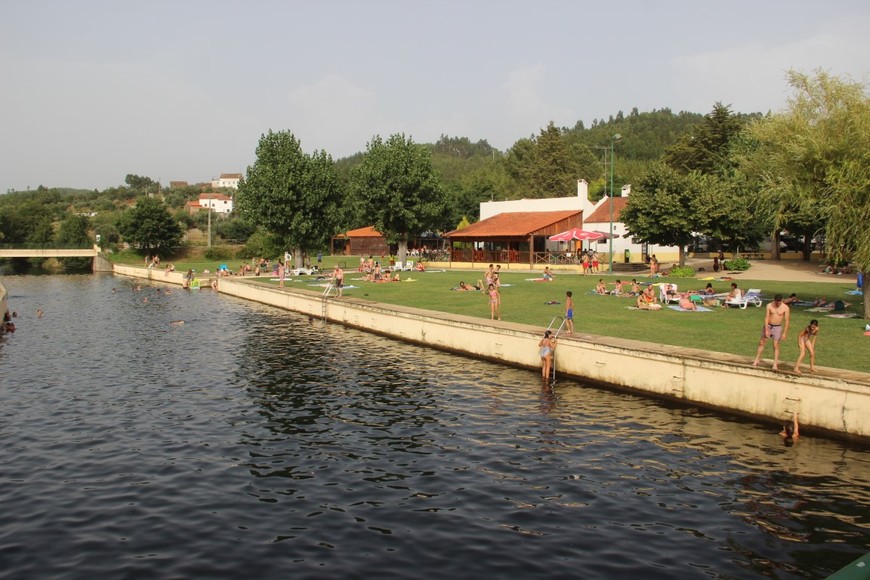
(4, 301)
(833, 401)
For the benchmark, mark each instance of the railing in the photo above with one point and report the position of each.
(46, 246)
(491, 256)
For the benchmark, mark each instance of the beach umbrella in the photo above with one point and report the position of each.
(576, 234)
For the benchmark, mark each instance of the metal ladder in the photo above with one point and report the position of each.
(324, 298)
(555, 336)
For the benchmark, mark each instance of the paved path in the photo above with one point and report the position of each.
(789, 270)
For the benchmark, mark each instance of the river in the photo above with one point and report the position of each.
(253, 442)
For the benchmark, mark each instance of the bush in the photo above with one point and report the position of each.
(736, 264)
(682, 272)
(218, 253)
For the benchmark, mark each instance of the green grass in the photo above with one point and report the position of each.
(841, 343)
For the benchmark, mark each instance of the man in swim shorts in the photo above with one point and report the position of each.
(776, 319)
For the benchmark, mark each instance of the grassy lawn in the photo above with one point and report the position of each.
(841, 343)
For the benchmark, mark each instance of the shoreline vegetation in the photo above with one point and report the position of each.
(841, 344)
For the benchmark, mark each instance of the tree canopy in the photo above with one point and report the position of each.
(292, 195)
(397, 191)
(817, 154)
(149, 226)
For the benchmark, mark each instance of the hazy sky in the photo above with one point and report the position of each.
(183, 89)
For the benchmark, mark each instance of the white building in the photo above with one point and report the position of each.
(226, 180)
(217, 202)
(598, 216)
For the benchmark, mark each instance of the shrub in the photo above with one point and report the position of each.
(218, 253)
(736, 264)
(682, 272)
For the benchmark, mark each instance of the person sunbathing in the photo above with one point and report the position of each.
(601, 287)
(465, 287)
(647, 299)
(617, 288)
(791, 299)
(686, 302)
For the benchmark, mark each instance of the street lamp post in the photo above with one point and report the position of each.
(613, 141)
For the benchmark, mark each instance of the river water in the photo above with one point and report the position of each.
(253, 442)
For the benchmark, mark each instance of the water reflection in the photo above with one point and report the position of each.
(250, 440)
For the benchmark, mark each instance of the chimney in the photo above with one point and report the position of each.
(626, 190)
(582, 189)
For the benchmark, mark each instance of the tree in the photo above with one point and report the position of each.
(818, 152)
(663, 209)
(292, 195)
(397, 190)
(553, 173)
(141, 184)
(149, 226)
(73, 231)
(707, 149)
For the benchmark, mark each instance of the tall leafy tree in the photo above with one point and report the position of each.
(554, 172)
(397, 190)
(664, 208)
(149, 226)
(707, 148)
(292, 195)
(817, 152)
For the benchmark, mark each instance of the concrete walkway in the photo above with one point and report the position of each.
(777, 270)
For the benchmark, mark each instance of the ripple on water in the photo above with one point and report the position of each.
(250, 441)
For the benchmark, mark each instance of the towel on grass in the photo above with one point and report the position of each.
(842, 315)
(345, 287)
(854, 292)
(681, 309)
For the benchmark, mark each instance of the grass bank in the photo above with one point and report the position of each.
(841, 343)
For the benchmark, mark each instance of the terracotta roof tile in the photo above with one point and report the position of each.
(515, 224)
(366, 232)
(602, 214)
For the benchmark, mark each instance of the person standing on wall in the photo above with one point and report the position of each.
(776, 319)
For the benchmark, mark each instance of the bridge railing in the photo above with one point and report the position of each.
(46, 246)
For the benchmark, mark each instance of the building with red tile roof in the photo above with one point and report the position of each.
(512, 237)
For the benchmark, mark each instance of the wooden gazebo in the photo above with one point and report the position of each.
(518, 237)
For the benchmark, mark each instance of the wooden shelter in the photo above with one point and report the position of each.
(518, 237)
(365, 241)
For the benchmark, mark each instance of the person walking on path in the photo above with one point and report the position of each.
(569, 313)
(494, 302)
(807, 342)
(776, 319)
(545, 350)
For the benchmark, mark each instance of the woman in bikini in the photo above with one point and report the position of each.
(545, 350)
(494, 302)
(807, 342)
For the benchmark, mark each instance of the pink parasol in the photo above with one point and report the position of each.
(577, 234)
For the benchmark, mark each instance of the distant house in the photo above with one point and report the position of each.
(177, 184)
(192, 207)
(217, 202)
(226, 181)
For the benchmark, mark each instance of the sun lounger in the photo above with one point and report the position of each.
(752, 296)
